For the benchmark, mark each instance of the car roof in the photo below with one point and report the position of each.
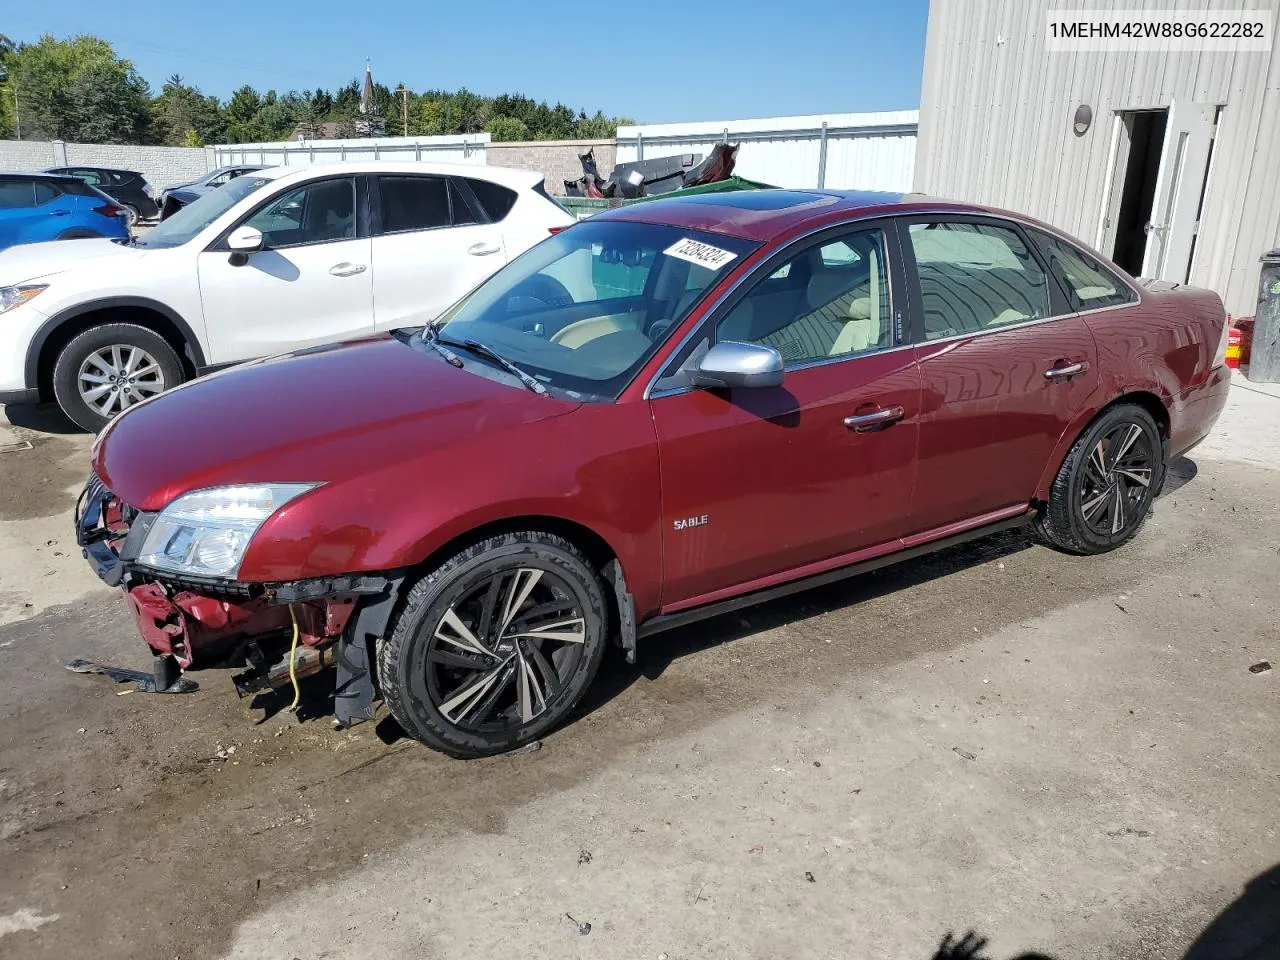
(94, 166)
(764, 214)
(37, 174)
(507, 176)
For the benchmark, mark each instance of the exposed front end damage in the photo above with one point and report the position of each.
(190, 623)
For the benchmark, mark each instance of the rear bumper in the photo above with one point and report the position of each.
(1197, 410)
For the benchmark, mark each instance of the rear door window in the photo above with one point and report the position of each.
(45, 191)
(1089, 285)
(975, 277)
(413, 203)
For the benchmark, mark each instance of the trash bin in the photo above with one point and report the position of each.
(1264, 361)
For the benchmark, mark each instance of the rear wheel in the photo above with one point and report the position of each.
(131, 215)
(1105, 487)
(496, 646)
(107, 369)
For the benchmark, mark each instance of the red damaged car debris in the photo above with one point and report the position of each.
(666, 411)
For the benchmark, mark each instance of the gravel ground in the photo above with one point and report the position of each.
(1068, 755)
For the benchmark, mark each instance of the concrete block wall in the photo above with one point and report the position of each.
(555, 159)
(162, 166)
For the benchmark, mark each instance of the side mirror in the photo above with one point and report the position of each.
(244, 240)
(731, 364)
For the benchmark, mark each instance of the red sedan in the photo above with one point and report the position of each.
(661, 413)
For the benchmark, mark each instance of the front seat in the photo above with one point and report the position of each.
(865, 325)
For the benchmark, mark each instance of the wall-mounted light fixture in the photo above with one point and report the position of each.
(1082, 119)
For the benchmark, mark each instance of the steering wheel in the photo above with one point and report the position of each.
(541, 289)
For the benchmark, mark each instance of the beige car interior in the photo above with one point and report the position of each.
(575, 334)
(840, 310)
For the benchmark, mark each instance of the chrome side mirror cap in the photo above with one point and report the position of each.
(731, 365)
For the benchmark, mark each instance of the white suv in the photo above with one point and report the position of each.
(273, 260)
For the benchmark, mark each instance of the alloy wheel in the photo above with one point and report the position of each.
(115, 377)
(503, 650)
(1116, 481)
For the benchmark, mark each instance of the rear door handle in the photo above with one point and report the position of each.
(483, 249)
(1067, 370)
(347, 269)
(862, 422)
(59, 213)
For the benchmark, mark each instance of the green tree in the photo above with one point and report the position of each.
(180, 108)
(506, 128)
(597, 127)
(76, 90)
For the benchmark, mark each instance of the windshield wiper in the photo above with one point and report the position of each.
(475, 346)
(432, 339)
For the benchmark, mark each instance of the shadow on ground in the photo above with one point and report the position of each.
(45, 417)
(1248, 929)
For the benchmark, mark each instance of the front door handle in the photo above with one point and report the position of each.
(483, 249)
(345, 269)
(59, 213)
(862, 422)
(1065, 370)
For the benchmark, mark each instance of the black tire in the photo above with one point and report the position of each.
(131, 214)
(436, 689)
(127, 336)
(80, 233)
(1098, 500)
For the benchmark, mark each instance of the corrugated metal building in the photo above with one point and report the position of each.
(864, 151)
(1176, 174)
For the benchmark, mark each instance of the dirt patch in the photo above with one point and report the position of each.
(41, 475)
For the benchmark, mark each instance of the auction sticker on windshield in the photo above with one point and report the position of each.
(703, 254)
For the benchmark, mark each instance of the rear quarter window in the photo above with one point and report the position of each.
(1088, 284)
(496, 199)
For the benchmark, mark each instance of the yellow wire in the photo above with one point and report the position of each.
(293, 674)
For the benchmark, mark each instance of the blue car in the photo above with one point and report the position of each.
(35, 207)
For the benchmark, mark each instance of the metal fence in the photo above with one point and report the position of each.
(864, 151)
(468, 148)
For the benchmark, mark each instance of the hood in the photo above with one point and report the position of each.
(324, 414)
(31, 261)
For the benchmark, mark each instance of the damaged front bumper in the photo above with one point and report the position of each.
(203, 622)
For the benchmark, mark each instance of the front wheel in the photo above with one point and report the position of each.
(1105, 487)
(107, 369)
(495, 646)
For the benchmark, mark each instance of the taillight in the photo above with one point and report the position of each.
(1220, 357)
(109, 210)
(554, 230)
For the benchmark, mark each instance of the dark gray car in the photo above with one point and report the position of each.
(176, 197)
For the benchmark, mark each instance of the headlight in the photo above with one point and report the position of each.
(11, 297)
(206, 533)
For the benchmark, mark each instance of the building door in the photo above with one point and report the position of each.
(1159, 166)
(1184, 168)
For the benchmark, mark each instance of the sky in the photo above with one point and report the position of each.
(700, 60)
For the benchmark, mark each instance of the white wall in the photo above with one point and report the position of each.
(864, 151)
(468, 148)
(995, 128)
(162, 166)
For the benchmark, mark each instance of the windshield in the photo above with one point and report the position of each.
(584, 309)
(198, 214)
